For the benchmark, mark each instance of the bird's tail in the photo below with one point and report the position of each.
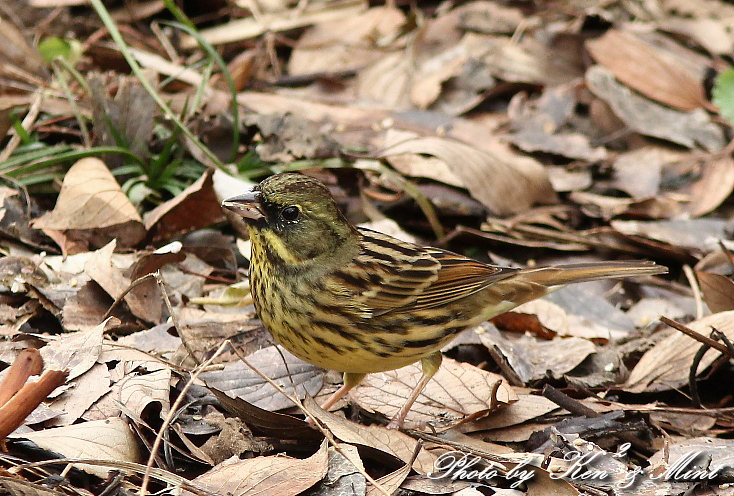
(559, 275)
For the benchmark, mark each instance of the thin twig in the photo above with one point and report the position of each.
(698, 337)
(172, 412)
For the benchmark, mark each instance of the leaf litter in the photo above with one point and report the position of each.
(530, 135)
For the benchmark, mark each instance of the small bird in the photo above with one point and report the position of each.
(357, 301)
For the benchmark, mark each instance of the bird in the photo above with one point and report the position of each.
(357, 301)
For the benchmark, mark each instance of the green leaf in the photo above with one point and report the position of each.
(723, 94)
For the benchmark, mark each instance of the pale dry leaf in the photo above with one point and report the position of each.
(85, 391)
(388, 82)
(390, 441)
(456, 391)
(700, 234)
(667, 364)
(77, 351)
(711, 34)
(250, 27)
(651, 119)
(345, 44)
(238, 380)
(643, 67)
(718, 291)
(91, 198)
(533, 359)
(639, 172)
(110, 439)
(498, 184)
(137, 391)
(265, 475)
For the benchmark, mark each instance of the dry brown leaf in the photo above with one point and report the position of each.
(500, 185)
(390, 482)
(651, 119)
(389, 441)
(16, 50)
(91, 200)
(458, 390)
(714, 186)
(666, 365)
(527, 407)
(265, 475)
(537, 123)
(110, 439)
(196, 207)
(711, 33)
(144, 301)
(388, 82)
(643, 67)
(718, 291)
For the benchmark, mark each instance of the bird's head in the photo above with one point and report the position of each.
(295, 217)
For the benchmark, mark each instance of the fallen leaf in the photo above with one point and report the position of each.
(458, 390)
(196, 207)
(390, 441)
(667, 364)
(532, 359)
(501, 186)
(651, 119)
(718, 291)
(238, 380)
(111, 440)
(92, 200)
(644, 68)
(265, 475)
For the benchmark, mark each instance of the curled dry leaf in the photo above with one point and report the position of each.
(196, 207)
(265, 475)
(500, 185)
(666, 365)
(458, 390)
(92, 200)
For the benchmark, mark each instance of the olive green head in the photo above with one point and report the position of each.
(295, 216)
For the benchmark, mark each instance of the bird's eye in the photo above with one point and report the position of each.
(290, 213)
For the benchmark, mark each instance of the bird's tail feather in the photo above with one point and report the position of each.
(582, 272)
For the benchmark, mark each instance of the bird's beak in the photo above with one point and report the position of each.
(247, 205)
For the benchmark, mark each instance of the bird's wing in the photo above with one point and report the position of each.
(389, 274)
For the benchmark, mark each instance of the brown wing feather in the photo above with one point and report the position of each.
(403, 275)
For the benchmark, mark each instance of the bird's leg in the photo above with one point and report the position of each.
(430, 365)
(350, 381)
